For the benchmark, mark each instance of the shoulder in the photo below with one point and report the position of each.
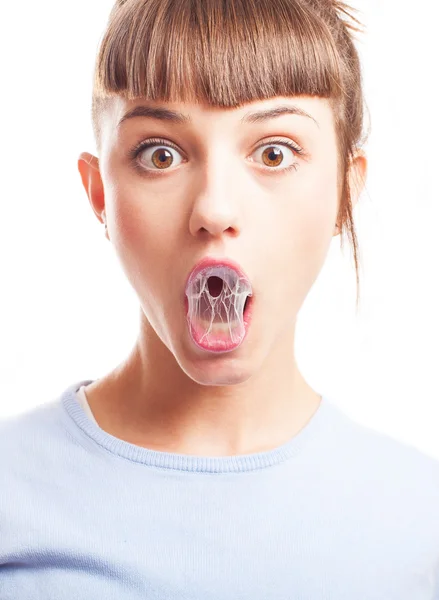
(30, 422)
(37, 428)
(390, 462)
(29, 439)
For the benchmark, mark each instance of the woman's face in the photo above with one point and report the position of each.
(219, 183)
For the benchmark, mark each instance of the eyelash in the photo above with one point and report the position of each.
(138, 148)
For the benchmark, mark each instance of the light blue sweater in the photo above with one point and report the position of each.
(339, 512)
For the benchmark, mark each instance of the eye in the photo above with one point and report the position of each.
(156, 154)
(272, 155)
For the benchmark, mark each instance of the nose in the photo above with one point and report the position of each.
(215, 208)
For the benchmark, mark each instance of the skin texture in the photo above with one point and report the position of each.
(220, 196)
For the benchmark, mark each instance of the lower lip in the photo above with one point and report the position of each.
(219, 346)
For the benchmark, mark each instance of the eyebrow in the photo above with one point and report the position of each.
(171, 116)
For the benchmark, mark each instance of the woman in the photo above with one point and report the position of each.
(229, 137)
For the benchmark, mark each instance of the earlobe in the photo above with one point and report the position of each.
(88, 166)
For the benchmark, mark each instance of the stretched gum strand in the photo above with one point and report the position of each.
(231, 300)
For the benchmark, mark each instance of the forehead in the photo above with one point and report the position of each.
(312, 111)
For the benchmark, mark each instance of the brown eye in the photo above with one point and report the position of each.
(155, 156)
(275, 154)
(272, 156)
(162, 158)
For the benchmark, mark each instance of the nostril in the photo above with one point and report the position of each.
(215, 285)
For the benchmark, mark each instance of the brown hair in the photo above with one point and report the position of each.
(230, 52)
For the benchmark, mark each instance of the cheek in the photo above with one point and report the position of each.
(144, 210)
(307, 227)
(144, 236)
(145, 221)
(316, 209)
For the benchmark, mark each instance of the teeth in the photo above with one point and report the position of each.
(219, 327)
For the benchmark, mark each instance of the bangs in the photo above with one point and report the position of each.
(221, 52)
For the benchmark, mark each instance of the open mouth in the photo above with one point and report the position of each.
(218, 299)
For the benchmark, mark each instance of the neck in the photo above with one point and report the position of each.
(150, 401)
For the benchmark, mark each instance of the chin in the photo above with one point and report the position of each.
(228, 368)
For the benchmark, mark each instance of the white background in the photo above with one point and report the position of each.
(67, 312)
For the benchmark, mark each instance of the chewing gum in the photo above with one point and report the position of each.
(216, 299)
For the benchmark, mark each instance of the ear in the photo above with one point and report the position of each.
(88, 166)
(357, 175)
(357, 180)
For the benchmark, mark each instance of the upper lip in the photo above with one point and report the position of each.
(211, 261)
